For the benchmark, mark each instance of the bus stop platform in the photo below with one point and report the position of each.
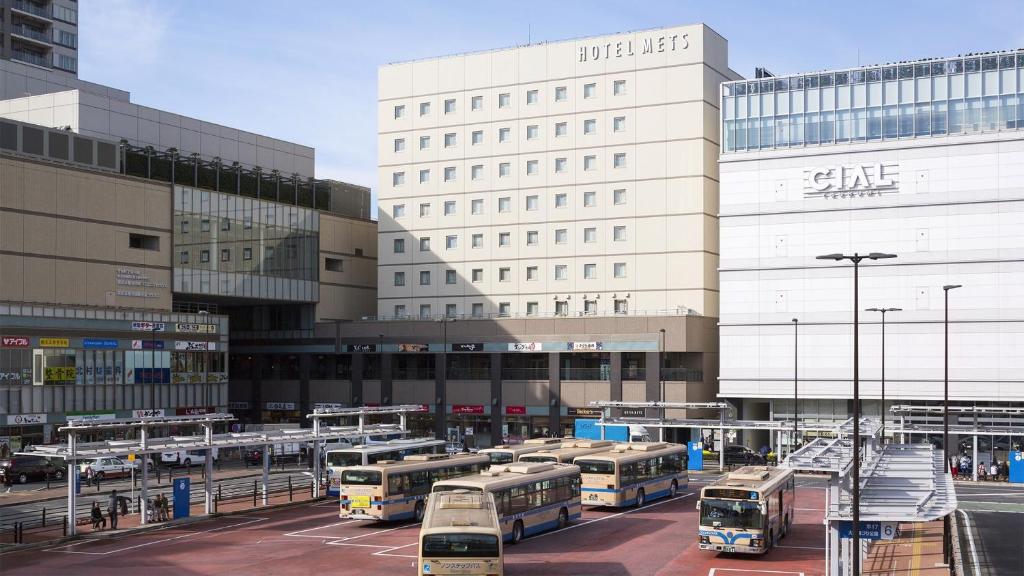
(916, 551)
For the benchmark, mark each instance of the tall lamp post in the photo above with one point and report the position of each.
(661, 377)
(444, 320)
(856, 259)
(945, 416)
(796, 379)
(883, 311)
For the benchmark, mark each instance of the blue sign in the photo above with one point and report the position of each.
(78, 481)
(871, 530)
(694, 455)
(182, 494)
(105, 343)
(588, 429)
(1017, 466)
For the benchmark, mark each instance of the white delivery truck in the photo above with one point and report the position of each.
(186, 457)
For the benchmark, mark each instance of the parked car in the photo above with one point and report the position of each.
(186, 457)
(737, 454)
(107, 467)
(21, 469)
(281, 450)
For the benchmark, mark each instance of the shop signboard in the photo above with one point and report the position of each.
(328, 406)
(54, 342)
(189, 327)
(515, 410)
(412, 347)
(194, 410)
(467, 409)
(59, 373)
(634, 413)
(194, 346)
(595, 412)
(139, 326)
(584, 346)
(361, 347)
(15, 342)
(101, 343)
(238, 405)
(91, 416)
(147, 344)
(468, 347)
(148, 413)
(25, 419)
(279, 406)
(524, 347)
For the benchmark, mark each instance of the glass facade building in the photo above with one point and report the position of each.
(925, 98)
(232, 246)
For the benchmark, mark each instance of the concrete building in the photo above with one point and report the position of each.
(40, 33)
(922, 159)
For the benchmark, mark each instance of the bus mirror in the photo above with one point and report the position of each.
(764, 508)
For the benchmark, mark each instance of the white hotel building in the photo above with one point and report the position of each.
(922, 159)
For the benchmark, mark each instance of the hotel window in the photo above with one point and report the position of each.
(590, 126)
(504, 135)
(504, 204)
(620, 269)
(476, 206)
(478, 310)
(531, 272)
(504, 239)
(204, 225)
(619, 160)
(590, 235)
(589, 90)
(504, 309)
(204, 256)
(268, 252)
(424, 176)
(424, 108)
(399, 111)
(476, 172)
(477, 137)
(504, 274)
(561, 129)
(398, 245)
(477, 241)
(532, 203)
(449, 207)
(619, 196)
(477, 103)
(532, 309)
(425, 244)
(398, 211)
(504, 169)
(424, 209)
(247, 222)
(449, 174)
(451, 310)
(561, 236)
(561, 94)
(330, 264)
(504, 100)
(450, 277)
(532, 131)
(424, 142)
(561, 271)
(619, 87)
(183, 257)
(532, 237)
(532, 167)
(424, 277)
(590, 307)
(590, 163)
(561, 165)
(184, 226)
(619, 124)
(225, 225)
(399, 278)
(399, 144)
(531, 96)
(561, 308)
(424, 310)
(399, 310)
(619, 233)
(561, 200)
(449, 139)
(589, 271)
(478, 275)
(449, 106)
(621, 306)
(589, 199)
(451, 242)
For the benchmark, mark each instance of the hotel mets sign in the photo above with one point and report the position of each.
(648, 45)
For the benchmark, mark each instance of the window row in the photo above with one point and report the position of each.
(476, 138)
(561, 200)
(561, 272)
(590, 307)
(451, 241)
(476, 171)
(476, 102)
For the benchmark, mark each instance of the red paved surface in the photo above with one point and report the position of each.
(310, 539)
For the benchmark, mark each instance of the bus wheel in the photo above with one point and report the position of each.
(418, 512)
(563, 518)
(673, 490)
(640, 498)
(517, 532)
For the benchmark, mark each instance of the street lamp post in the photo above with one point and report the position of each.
(796, 379)
(945, 415)
(855, 524)
(444, 365)
(883, 311)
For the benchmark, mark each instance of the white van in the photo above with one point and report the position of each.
(638, 433)
(186, 457)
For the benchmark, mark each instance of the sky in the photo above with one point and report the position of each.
(306, 71)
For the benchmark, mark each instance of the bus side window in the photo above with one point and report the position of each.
(517, 499)
(420, 482)
(501, 500)
(628, 474)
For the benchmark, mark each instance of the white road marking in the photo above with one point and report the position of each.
(801, 547)
(714, 571)
(970, 539)
(299, 533)
(62, 549)
(388, 551)
(811, 509)
(589, 522)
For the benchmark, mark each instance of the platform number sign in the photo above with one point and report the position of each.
(888, 531)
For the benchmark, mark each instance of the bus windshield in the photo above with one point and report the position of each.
(730, 514)
(538, 459)
(460, 546)
(500, 457)
(595, 466)
(361, 477)
(344, 459)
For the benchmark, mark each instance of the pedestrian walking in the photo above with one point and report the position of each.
(993, 470)
(8, 481)
(90, 475)
(112, 509)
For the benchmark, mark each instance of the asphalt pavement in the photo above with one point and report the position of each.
(991, 521)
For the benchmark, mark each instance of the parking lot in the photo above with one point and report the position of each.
(660, 538)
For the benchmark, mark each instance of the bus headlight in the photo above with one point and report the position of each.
(755, 542)
(705, 540)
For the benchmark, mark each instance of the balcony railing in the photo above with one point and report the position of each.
(586, 373)
(30, 57)
(683, 374)
(27, 32)
(33, 8)
(525, 374)
(468, 374)
(634, 373)
(681, 311)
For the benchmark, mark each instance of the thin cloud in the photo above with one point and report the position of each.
(124, 35)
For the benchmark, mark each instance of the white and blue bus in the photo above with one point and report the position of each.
(633, 474)
(393, 450)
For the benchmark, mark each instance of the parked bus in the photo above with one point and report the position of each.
(568, 451)
(633, 473)
(507, 454)
(373, 453)
(461, 534)
(747, 510)
(395, 490)
(530, 497)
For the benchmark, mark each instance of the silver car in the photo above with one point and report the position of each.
(107, 467)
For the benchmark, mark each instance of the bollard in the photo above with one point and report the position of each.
(65, 525)
(47, 480)
(44, 516)
(219, 493)
(157, 474)
(253, 493)
(289, 488)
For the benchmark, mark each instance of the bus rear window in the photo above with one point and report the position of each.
(443, 488)
(460, 546)
(538, 459)
(344, 459)
(595, 466)
(500, 457)
(361, 477)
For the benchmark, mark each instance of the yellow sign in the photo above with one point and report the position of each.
(360, 501)
(59, 373)
(54, 342)
(131, 457)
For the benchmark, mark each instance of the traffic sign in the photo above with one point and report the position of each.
(131, 457)
(871, 530)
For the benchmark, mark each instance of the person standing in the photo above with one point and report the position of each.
(993, 470)
(954, 464)
(112, 509)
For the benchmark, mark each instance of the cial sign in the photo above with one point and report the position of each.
(149, 326)
(147, 413)
(584, 346)
(102, 343)
(195, 328)
(586, 412)
(524, 347)
(362, 347)
(412, 347)
(468, 347)
(54, 342)
(194, 346)
(26, 419)
(467, 409)
(147, 344)
(850, 181)
(633, 412)
(279, 406)
(14, 342)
